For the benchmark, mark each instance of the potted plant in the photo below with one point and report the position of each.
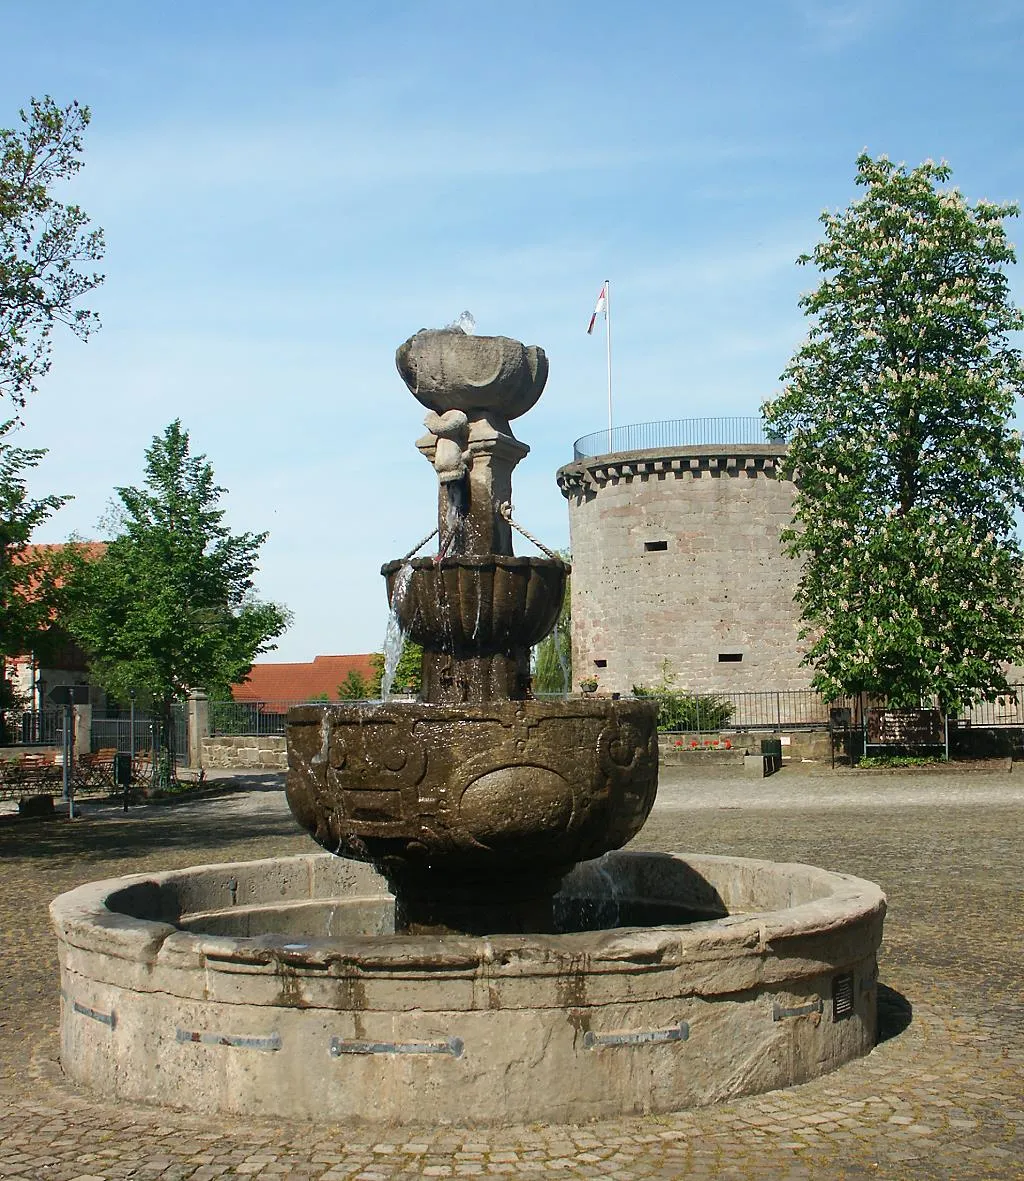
(588, 685)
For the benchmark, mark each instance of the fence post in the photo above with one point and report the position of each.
(198, 725)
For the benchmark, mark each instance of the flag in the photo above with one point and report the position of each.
(602, 306)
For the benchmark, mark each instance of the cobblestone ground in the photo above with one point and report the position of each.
(940, 1097)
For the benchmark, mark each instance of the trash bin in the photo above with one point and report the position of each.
(771, 752)
(123, 770)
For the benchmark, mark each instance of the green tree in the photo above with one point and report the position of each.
(898, 413)
(552, 657)
(30, 586)
(356, 687)
(169, 605)
(42, 243)
(408, 671)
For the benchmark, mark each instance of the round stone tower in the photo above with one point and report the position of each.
(678, 568)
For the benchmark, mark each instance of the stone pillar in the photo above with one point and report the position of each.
(82, 729)
(198, 725)
(495, 451)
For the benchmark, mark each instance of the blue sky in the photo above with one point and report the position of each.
(289, 191)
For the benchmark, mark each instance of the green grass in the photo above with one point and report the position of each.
(900, 761)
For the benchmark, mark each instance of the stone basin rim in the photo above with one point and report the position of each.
(83, 919)
(576, 705)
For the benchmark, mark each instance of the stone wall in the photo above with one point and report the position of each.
(798, 746)
(265, 753)
(676, 557)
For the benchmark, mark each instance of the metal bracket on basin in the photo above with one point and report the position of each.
(238, 1041)
(105, 1018)
(639, 1037)
(816, 1006)
(450, 1045)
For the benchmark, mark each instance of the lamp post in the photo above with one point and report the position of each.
(131, 745)
(131, 723)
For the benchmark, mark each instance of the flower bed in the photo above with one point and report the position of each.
(687, 744)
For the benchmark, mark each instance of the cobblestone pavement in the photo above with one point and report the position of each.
(940, 1097)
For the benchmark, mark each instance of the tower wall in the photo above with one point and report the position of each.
(677, 558)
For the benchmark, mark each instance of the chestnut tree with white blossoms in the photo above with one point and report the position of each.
(898, 410)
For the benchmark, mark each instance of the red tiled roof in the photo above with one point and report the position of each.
(302, 682)
(88, 550)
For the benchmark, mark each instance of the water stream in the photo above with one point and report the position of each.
(394, 636)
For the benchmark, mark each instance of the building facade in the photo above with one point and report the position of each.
(678, 570)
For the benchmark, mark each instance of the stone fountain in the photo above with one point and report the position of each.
(475, 802)
(471, 948)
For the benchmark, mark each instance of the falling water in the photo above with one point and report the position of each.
(593, 902)
(563, 664)
(454, 539)
(394, 637)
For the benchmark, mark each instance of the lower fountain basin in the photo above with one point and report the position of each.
(278, 988)
(473, 812)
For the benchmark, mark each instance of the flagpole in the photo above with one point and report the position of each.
(608, 346)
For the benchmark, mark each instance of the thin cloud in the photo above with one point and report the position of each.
(833, 25)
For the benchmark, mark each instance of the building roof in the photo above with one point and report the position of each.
(302, 682)
(88, 549)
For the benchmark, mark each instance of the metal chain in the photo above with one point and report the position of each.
(506, 511)
(420, 546)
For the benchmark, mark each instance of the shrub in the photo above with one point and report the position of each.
(678, 710)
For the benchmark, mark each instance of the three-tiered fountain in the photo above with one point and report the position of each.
(447, 959)
(475, 801)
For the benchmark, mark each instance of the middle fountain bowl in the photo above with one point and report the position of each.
(487, 603)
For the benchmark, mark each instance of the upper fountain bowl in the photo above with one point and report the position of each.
(447, 370)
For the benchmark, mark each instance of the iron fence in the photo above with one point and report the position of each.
(675, 432)
(31, 727)
(260, 718)
(702, 713)
(709, 712)
(119, 731)
(1006, 709)
(766, 709)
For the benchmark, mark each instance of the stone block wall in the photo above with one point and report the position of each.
(266, 753)
(798, 746)
(676, 557)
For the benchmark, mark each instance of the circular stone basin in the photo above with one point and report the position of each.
(277, 988)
